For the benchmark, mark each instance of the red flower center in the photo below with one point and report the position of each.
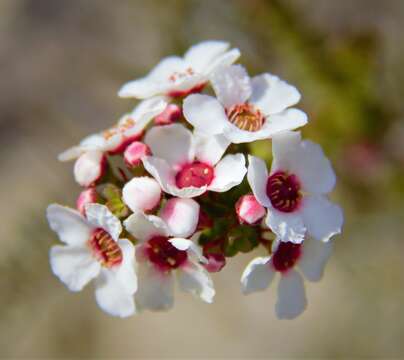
(284, 191)
(286, 256)
(164, 255)
(246, 117)
(105, 248)
(196, 174)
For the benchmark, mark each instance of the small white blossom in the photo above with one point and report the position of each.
(93, 250)
(175, 76)
(295, 191)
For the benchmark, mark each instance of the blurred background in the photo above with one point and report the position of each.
(61, 64)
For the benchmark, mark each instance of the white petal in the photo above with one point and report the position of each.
(181, 216)
(71, 153)
(313, 169)
(167, 66)
(232, 85)
(289, 119)
(273, 95)
(257, 276)
(172, 143)
(89, 168)
(71, 227)
(193, 278)
(201, 55)
(257, 178)
(229, 172)
(314, 259)
(141, 193)
(205, 113)
(291, 296)
(100, 216)
(148, 109)
(144, 227)
(323, 218)
(210, 148)
(187, 192)
(156, 289)
(125, 273)
(189, 245)
(224, 60)
(285, 147)
(74, 266)
(112, 296)
(289, 227)
(160, 170)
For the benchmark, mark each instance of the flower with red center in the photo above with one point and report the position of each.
(94, 250)
(178, 76)
(310, 257)
(187, 165)
(245, 109)
(91, 151)
(164, 254)
(295, 191)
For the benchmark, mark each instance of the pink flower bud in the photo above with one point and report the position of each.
(134, 153)
(88, 196)
(171, 114)
(249, 210)
(216, 262)
(89, 168)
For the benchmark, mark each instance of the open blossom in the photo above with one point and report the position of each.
(176, 76)
(187, 165)
(164, 253)
(93, 250)
(90, 153)
(245, 109)
(295, 191)
(310, 257)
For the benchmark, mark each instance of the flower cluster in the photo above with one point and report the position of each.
(170, 192)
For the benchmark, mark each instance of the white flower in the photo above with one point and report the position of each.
(93, 250)
(295, 190)
(245, 109)
(187, 165)
(310, 257)
(175, 76)
(164, 254)
(90, 153)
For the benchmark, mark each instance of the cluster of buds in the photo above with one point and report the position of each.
(171, 193)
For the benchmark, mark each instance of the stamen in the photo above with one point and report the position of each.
(105, 249)
(246, 117)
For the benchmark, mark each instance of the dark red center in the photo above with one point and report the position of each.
(286, 256)
(164, 255)
(196, 174)
(105, 248)
(284, 191)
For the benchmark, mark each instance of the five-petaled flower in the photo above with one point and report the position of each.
(245, 109)
(94, 250)
(295, 191)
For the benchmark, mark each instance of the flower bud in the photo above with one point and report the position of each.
(172, 113)
(134, 153)
(216, 262)
(249, 210)
(89, 168)
(88, 196)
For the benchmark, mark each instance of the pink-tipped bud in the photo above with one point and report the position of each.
(171, 113)
(88, 196)
(89, 168)
(134, 153)
(216, 262)
(249, 210)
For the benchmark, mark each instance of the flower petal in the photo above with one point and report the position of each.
(231, 85)
(74, 266)
(205, 113)
(257, 276)
(285, 147)
(89, 167)
(156, 289)
(289, 227)
(224, 60)
(71, 227)
(210, 148)
(141, 193)
(291, 296)
(181, 216)
(189, 245)
(289, 119)
(229, 172)
(160, 170)
(273, 95)
(144, 227)
(193, 278)
(100, 216)
(257, 178)
(323, 218)
(314, 259)
(172, 143)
